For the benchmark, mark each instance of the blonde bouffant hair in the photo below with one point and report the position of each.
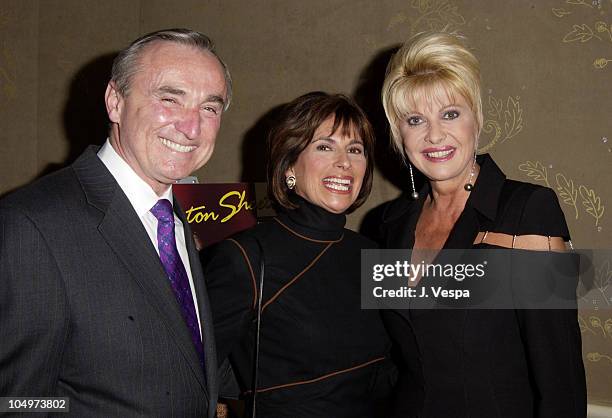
(429, 66)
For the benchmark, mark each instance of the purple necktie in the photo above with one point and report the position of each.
(175, 269)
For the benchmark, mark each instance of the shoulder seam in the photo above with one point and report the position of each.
(248, 262)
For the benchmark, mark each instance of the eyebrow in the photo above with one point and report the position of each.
(171, 90)
(330, 139)
(215, 98)
(442, 109)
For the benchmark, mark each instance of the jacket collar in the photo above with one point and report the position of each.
(97, 182)
(488, 187)
(401, 216)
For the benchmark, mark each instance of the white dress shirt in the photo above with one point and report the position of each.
(143, 198)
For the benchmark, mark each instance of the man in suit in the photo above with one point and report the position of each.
(102, 298)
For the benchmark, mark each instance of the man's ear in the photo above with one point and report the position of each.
(114, 102)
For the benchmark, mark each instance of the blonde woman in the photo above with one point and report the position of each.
(470, 363)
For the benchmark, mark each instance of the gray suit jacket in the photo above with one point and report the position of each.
(86, 308)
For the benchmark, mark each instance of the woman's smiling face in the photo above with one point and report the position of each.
(439, 137)
(330, 171)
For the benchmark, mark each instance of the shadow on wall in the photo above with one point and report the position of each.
(367, 94)
(254, 146)
(84, 115)
(388, 163)
(85, 118)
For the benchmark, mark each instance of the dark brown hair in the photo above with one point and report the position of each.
(294, 131)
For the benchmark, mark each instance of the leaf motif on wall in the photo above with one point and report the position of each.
(488, 127)
(495, 107)
(595, 357)
(600, 63)
(601, 26)
(582, 33)
(582, 324)
(435, 24)
(602, 283)
(608, 326)
(535, 170)
(449, 13)
(567, 191)
(513, 118)
(560, 12)
(584, 327)
(422, 5)
(510, 116)
(436, 15)
(582, 2)
(603, 275)
(595, 322)
(592, 203)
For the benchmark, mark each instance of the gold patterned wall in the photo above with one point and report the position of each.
(547, 78)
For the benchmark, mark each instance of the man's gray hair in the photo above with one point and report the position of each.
(126, 64)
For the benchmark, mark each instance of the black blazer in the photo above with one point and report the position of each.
(86, 308)
(486, 363)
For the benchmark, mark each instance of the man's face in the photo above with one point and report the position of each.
(166, 125)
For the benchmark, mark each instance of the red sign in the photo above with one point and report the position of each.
(217, 211)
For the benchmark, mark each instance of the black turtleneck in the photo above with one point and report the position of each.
(321, 355)
(313, 221)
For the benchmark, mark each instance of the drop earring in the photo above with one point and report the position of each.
(290, 181)
(415, 194)
(469, 186)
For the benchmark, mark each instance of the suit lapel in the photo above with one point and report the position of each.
(124, 233)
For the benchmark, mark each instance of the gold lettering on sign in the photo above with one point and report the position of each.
(198, 214)
(234, 209)
(199, 217)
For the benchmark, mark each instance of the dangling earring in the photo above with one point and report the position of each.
(469, 186)
(415, 194)
(290, 181)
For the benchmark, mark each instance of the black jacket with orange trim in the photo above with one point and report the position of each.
(321, 355)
